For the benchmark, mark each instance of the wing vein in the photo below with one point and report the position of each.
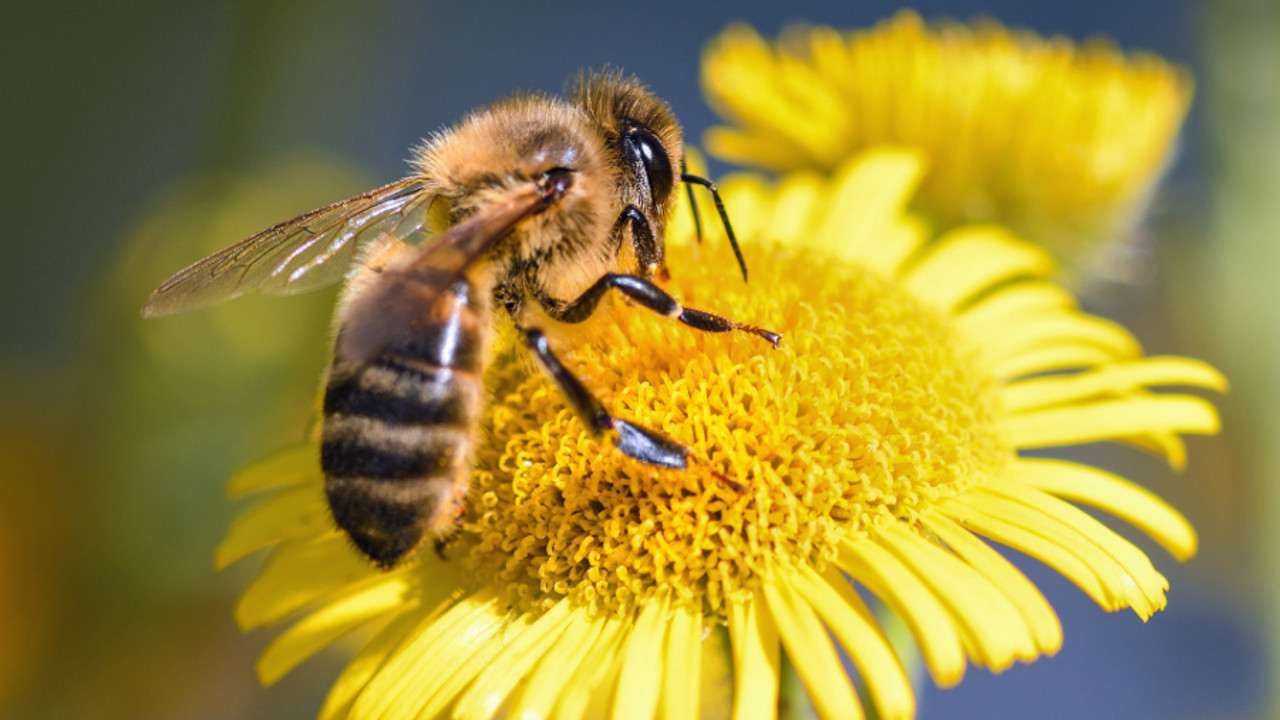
(305, 253)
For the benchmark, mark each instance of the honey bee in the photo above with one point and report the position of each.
(532, 209)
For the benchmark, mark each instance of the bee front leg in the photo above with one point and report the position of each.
(648, 254)
(649, 295)
(647, 446)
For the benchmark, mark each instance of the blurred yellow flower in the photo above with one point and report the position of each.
(1063, 144)
(879, 444)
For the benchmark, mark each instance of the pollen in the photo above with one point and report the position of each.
(870, 411)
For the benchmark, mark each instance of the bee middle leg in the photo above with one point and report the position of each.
(647, 446)
(656, 299)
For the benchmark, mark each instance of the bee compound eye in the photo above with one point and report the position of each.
(645, 151)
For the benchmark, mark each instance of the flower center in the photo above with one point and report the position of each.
(870, 410)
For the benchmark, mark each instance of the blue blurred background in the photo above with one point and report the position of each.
(136, 137)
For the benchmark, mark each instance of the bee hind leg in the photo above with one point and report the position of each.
(647, 446)
(442, 543)
(446, 538)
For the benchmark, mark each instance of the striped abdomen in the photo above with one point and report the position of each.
(399, 429)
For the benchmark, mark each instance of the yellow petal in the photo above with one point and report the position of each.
(370, 659)
(822, 107)
(1143, 587)
(640, 679)
(1113, 494)
(848, 618)
(746, 87)
(810, 651)
(317, 630)
(757, 661)
(415, 680)
(1108, 419)
(289, 514)
(930, 623)
(899, 242)
(986, 617)
(1031, 605)
(596, 672)
(1017, 535)
(1116, 379)
(739, 44)
(1051, 357)
(1119, 588)
(866, 199)
(1061, 331)
(682, 660)
(457, 677)
(971, 259)
(298, 573)
(794, 201)
(491, 688)
(564, 658)
(1165, 445)
(288, 467)
(826, 49)
(1014, 303)
(747, 201)
(737, 146)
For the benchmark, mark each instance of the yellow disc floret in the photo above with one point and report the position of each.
(869, 410)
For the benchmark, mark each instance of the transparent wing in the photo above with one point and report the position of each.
(305, 253)
(403, 293)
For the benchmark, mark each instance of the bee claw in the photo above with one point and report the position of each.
(773, 338)
(733, 484)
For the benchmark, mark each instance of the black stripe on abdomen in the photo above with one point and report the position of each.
(353, 446)
(388, 484)
(400, 392)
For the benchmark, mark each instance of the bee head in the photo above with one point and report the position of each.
(642, 139)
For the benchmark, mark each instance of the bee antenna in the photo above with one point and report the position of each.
(724, 217)
(693, 205)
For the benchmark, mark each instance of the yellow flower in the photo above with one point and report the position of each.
(1063, 144)
(879, 444)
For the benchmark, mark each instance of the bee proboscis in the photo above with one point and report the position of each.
(532, 209)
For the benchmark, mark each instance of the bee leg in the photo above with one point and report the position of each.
(442, 544)
(648, 254)
(647, 446)
(656, 299)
